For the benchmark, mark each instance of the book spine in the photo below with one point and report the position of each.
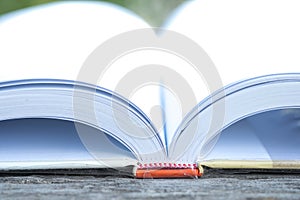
(167, 170)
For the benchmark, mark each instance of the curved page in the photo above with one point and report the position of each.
(86, 104)
(197, 135)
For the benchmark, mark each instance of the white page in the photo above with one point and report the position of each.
(244, 39)
(248, 98)
(54, 40)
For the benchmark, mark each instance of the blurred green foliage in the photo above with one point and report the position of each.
(153, 11)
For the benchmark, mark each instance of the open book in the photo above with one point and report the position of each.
(49, 122)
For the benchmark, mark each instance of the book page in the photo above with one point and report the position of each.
(92, 106)
(54, 40)
(243, 39)
(253, 121)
